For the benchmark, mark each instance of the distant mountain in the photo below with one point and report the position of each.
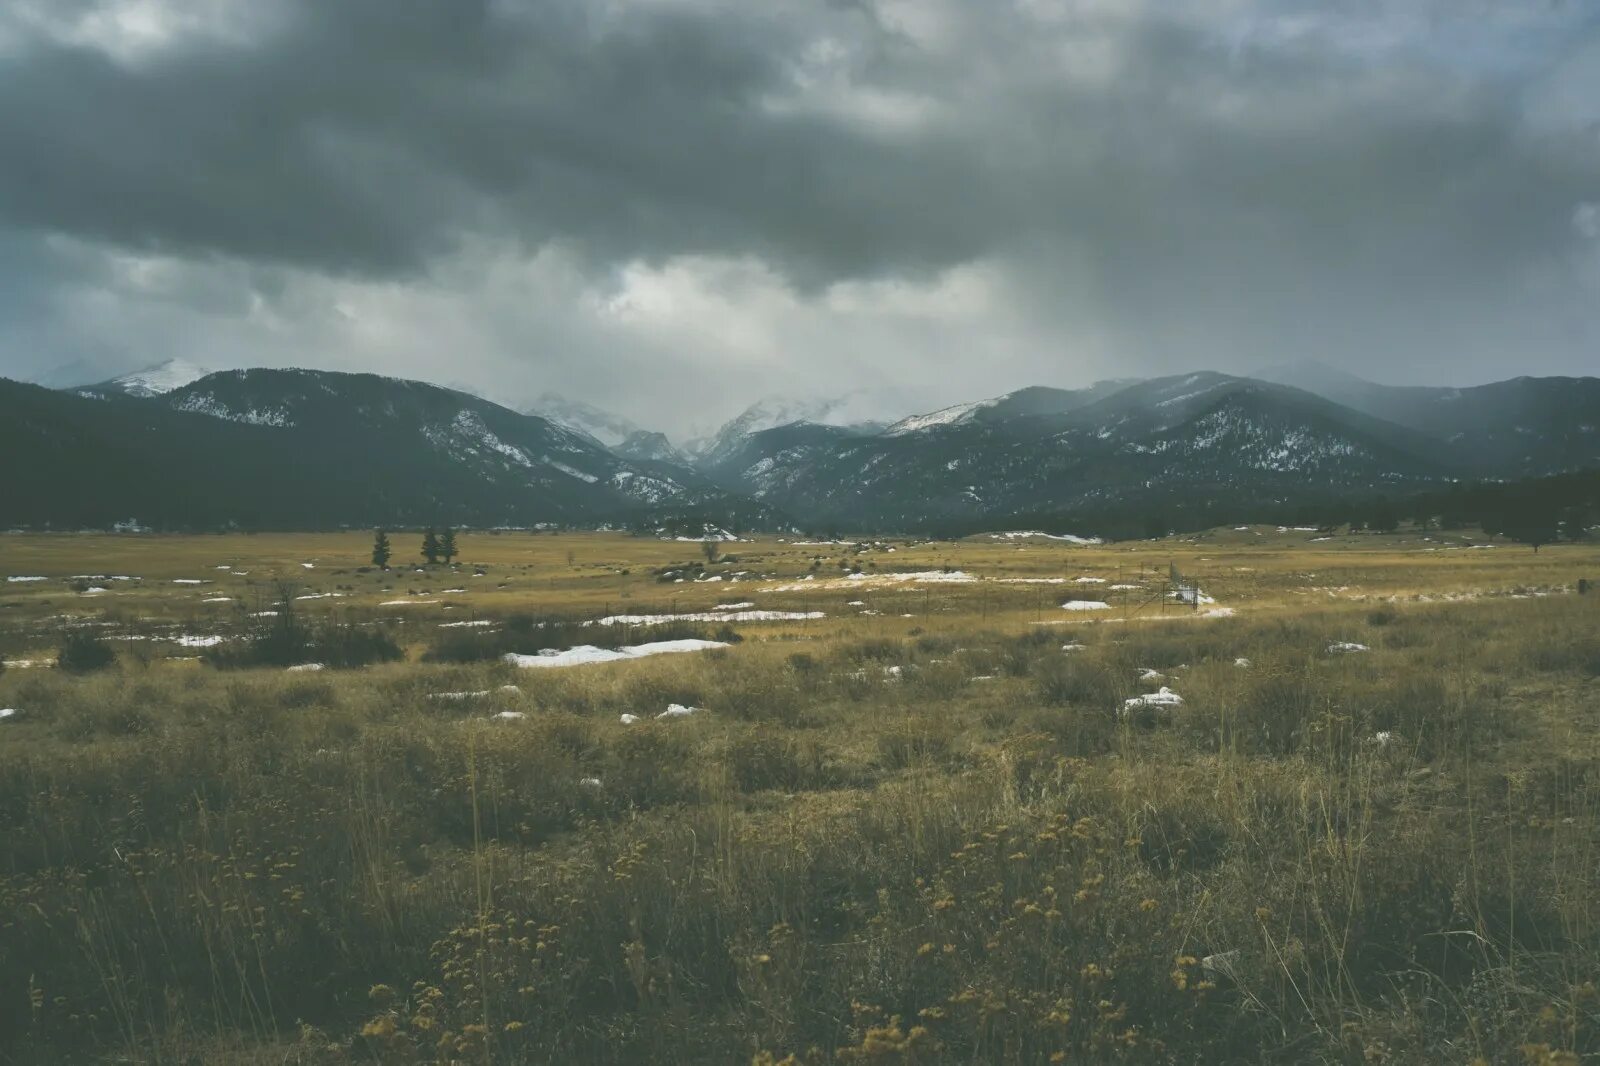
(1518, 428)
(607, 428)
(297, 448)
(156, 380)
(1195, 437)
(854, 411)
(651, 447)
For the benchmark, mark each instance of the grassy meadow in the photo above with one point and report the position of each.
(913, 820)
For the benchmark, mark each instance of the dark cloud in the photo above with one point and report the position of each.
(953, 193)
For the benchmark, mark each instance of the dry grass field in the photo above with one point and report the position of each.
(910, 820)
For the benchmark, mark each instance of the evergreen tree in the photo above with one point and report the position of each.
(1383, 518)
(447, 545)
(380, 549)
(430, 546)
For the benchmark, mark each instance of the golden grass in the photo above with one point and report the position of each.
(930, 839)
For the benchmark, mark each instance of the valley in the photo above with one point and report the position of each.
(1003, 798)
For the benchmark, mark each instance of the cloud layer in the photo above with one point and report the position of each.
(673, 206)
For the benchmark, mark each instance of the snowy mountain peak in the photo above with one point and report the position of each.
(954, 415)
(155, 380)
(601, 425)
(855, 410)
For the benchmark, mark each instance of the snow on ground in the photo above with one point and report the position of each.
(25, 577)
(26, 664)
(7, 712)
(733, 606)
(189, 581)
(1165, 697)
(208, 641)
(218, 599)
(1125, 588)
(1029, 580)
(321, 596)
(1025, 534)
(921, 577)
(406, 603)
(1085, 605)
(305, 668)
(630, 719)
(479, 694)
(1341, 647)
(1089, 581)
(706, 616)
(464, 625)
(678, 710)
(588, 653)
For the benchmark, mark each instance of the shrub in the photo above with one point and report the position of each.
(85, 652)
(1075, 681)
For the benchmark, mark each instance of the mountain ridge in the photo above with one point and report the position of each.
(370, 448)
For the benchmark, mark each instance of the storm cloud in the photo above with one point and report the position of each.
(670, 207)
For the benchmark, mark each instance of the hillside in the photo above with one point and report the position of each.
(287, 448)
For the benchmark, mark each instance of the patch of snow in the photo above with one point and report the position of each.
(588, 653)
(1242, 663)
(733, 606)
(509, 716)
(304, 668)
(1344, 647)
(479, 694)
(1085, 605)
(677, 710)
(1165, 697)
(208, 641)
(407, 603)
(1025, 534)
(630, 719)
(463, 625)
(923, 577)
(27, 577)
(707, 616)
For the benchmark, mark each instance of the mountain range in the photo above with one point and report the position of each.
(179, 447)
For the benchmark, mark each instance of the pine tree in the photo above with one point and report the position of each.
(430, 546)
(447, 545)
(380, 549)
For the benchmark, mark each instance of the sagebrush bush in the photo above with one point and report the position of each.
(84, 652)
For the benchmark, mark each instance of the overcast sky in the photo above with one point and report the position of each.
(672, 207)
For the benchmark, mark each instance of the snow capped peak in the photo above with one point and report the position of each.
(946, 416)
(854, 410)
(158, 379)
(601, 425)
